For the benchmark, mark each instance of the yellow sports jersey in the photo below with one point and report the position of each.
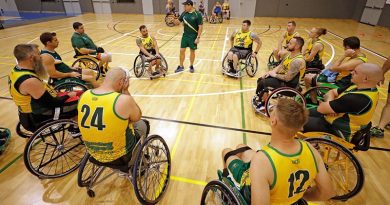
(225, 6)
(286, 65)
(293, 174)
(243, 40)
(345, 73)
(147, 42)
(106, 135)
(350, 123)
(288, 37)
(310, 47)
(24, 102)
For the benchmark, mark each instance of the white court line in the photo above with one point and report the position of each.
(361, 47)
(170, 57)
(194, 95)
(331, 46)
(163, 34)
(224, 44)
(126, 34)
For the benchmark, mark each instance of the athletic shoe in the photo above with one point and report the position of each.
(192, 69)
(74, 131)
(260, 108)
(179, 69)
(155, 73)
(387, 126)
(377, 132)
(232, 71)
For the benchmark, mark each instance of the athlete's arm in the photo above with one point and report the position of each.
(155, 45)
(48, 63)
(350, 65)
(295, 67)
(142, 48)
(386, 66)
(260, 172)
(232, 39)
(127, 108)
(256, 39)
(323, 190)
(317, 47)
(180, 19)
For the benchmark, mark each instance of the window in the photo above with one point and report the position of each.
(125, 1)
(48, 0)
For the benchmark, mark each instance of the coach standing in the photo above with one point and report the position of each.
(193, 26)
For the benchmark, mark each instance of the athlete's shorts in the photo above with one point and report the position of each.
(241, 53)
(240, 172)
(151, 51)
(106, 57)
(187, 41)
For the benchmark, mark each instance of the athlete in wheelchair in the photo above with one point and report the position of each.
(286, 171)
(216, 15)
(241, 56)
(171, 13)
(149, 59)
(54, 147)
(226, 9)
(283, 80)
(116, 138)
(87, 54)
(60, 73)
(202, 10)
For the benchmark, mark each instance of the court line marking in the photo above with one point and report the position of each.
(189, 181)
(170, 57)
(187, 115)
(242, 113)
(126, 34)
(195, 95)
(224, 43)
(369, 50)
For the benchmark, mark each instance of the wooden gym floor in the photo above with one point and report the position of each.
(204, 97)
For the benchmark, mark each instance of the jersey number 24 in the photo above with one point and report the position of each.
(96, 120)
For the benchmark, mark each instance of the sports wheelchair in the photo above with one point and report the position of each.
(89, 62)
(225, 14)
(52, 150)
(249, 64)
(218, 18)
(170, 19)
(5, 136)
(343, 167)
(149, 170)
(142, 63)
(204, 16)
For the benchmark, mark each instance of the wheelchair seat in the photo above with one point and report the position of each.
(121, 167)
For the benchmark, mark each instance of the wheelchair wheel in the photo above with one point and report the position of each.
(169, 20)
(283, 92)
(23, 132)
(164, 64)
(88, 63)
(86, 172)
(343, 167)
(152, 169)
(216, 192)
(272, 63)
(220, 19)
(251, 65)
(70, 86)
(319, 92)
(139, 66)
(225, 65)
(52, 152)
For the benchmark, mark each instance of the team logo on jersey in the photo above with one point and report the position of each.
(296, 161)
(94, 98)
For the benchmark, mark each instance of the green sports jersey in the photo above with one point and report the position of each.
(82, 41)
(191, 21)
(61, 66)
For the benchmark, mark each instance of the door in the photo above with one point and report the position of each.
(72, 7)
(86, 6)
(8, 8)
(102, 6)
(247, 8)
(372, 11)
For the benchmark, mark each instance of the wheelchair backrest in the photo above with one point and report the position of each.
(361, 139)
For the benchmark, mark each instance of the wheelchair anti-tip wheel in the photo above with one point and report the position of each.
(52, 151)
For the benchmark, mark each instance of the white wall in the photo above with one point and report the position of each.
(102, 6)
(147, 6)
(9, 8)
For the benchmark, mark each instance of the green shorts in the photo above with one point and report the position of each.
(187, 41)
(240, 173)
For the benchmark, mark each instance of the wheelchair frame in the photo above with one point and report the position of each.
(140, 64)
(136, 170)
(247, 63)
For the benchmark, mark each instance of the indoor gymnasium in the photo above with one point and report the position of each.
(183, 102)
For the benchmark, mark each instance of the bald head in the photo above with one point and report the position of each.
(114, 75)
(367, 73)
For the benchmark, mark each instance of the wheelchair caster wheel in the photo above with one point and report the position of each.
(91, 193)
(151, 78)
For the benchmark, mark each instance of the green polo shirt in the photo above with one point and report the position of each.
(82, 41)
(191, 21)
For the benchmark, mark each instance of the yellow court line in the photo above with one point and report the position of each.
(189, 181)
(187, 115)
(219, 31)
(7, 63)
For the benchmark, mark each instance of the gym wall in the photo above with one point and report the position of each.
(37, 5)
(384, 20)
(133, 8)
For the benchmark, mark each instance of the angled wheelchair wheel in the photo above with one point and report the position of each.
(152, 170)
(86, 172)
(139, 66)
(343, 167)
(283, 92)
(169, 20)
(22, 132)
(251, 65)
(225, 65)
(317, 93)
(52, 151)
(164, 64)
(88, 63)
(272, 63)
(70, 86)
(216, 192)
